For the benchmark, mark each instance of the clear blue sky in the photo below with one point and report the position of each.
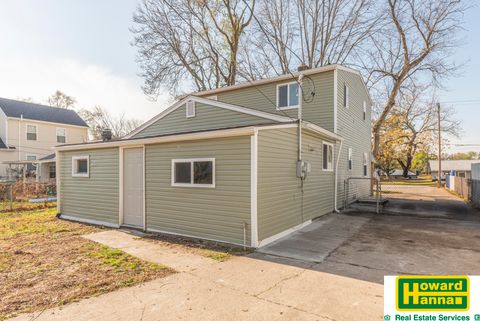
(83, 48)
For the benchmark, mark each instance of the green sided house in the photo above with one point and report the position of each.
(230, 164)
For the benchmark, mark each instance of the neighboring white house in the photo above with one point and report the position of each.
(461, 168)
(29, 132)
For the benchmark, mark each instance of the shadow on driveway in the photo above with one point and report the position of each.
(427, 232)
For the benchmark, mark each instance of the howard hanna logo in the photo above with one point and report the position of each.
(434, 293)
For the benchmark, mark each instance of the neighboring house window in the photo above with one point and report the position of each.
(350, 164)
(199, 172)
(365, 164)
(364, 110)
(31, 132)
(52, 171)
(80, 166)
(327, 157)
(287, 95)
(190, 109)
(61, 135)
(31, 167)
(346, 96)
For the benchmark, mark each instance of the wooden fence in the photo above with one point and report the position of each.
(461, 186)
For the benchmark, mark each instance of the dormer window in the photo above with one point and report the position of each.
(190, 109)
(287, 96)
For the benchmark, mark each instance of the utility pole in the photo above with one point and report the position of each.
(439, 180)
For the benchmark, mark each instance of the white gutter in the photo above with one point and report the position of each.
(322, 131)
(336, 177)
(162, 139)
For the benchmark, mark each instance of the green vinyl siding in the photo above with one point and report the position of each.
(263, 97)
(206, 117)
(94, 197)
(356, 133)
(218, 213)
(279, 202)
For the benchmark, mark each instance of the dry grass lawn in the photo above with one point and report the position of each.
(44, 262)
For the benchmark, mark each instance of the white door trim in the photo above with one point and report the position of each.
(121, 180)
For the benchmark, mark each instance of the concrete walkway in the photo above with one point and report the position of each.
(242, 288)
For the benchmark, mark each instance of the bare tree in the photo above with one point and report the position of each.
(416, 116)
(417, 43)
(315, 33)
(61, 100)
(186, 40)
(99, 119)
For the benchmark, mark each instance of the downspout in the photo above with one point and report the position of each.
(336, 176)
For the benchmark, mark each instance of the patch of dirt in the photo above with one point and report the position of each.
(44, 262)
(214, 250)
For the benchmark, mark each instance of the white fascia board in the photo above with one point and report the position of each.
(213, 103)
(322, 131)
(335, 100)
(240, 109)
(289, 76)
(162, 139)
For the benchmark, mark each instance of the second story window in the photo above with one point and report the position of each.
(287, 95)
(31, 132)
(365, 164)
(364, 110)
(61, 135)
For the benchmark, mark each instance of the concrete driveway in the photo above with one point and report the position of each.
(242, 288)
(331, 270)
(424, 231)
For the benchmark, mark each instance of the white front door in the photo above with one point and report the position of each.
(133, 187)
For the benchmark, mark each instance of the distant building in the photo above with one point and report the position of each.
(29, 132)
(398, 174)
(460, 168)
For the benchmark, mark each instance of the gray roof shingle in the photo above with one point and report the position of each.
(17, 109)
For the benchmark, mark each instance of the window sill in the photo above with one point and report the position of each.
(81, 175)
(288, 107)
(327, 170)
(193, 185)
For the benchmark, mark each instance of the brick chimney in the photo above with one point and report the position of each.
(302, 67)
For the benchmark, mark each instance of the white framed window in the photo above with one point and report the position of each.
(346, 96)
(80, 166)
(61, 135)
(365, 164)
(327, 155)
(190, 109)
(194, 172)
(350, 162)
(31, 132)
(364, 110)
(287, 95)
